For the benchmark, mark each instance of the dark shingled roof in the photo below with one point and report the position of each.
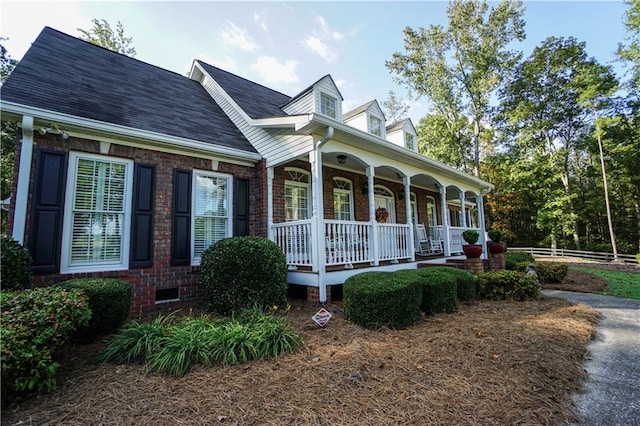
(64, 74)
(397, 125)
(256, 100)
(356, 111)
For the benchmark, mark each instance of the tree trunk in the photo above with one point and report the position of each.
(476, 147)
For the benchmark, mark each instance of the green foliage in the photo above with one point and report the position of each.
(382, 299)
(496, 235)
(549, 272)
(513, 258)
(242, 272)
(173, 348)
(33, 324)
(439, 289)
(15, 264)
(102, 34)
(470, 236)
(500, 285)
(620, 284)
(466, 281)
(631, 50)
(109, 300)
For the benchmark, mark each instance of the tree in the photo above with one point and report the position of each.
(395, 109)
(458, 68)
(543, 107)
(631, 51)
(101, 34)
(447, 141)
(8, 137)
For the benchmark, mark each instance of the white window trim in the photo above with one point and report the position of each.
(229, 231)
(349, 192)
(299, 184)
(390, 198)
(67, 228)
(414, 208)
(335, 105)
(434, 210)
(370, 120)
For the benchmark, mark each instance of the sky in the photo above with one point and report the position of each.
(287, 46)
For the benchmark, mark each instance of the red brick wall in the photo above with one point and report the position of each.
(161, 275)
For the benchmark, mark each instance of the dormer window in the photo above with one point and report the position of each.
(375, 126)
(409, 141)
(328, 105)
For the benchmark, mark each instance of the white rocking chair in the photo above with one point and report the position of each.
(426, 245)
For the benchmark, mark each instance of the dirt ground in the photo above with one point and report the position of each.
(488, 363)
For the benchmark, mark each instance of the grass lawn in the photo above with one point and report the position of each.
(621, 284)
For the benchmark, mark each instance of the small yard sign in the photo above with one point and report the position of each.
(322, 317)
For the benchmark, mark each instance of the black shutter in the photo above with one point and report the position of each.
(144, 182)
(241, 207)
(47, 210)
(181, 229)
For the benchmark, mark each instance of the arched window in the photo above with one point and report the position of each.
(383, 197)
(342, 198)
(432, 216)
(297, 194)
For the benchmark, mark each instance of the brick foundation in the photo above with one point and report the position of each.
(313, 294)
(497, 262)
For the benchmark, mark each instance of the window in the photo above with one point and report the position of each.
(375, 126)
(328, 105)
(97, 214)
(383, 197)
(414, 209)
(432, 216)
(296, 194)
(342, 199)
(211, 211)
(409, 141)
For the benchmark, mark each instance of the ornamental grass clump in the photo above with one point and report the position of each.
(241, 272)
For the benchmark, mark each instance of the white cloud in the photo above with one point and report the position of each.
(320, 48)
(324, 28)
(343, 84)
(271, 71)
(236, 37)
(227, 63)
(260, 21)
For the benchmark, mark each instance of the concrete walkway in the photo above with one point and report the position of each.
(611, 394)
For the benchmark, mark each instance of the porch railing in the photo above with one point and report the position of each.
(347, 242)
(393, 242)
(455, 237)
(294, 238)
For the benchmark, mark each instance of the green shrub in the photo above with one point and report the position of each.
(33, 324)
(467, 282)
(496, 235)
(109, 300)
(638, 258)
(470, 236)
(511, 259)
(241, 272)
(439, 289)
(500, 285)
(174, 348)
(15, 265)
(549, 272)
(377, 299)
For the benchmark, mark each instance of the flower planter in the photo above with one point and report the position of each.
(495, 248)
(472, 251)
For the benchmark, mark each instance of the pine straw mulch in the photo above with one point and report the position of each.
(581, 282)
(488, 363)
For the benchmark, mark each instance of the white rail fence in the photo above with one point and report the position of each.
(592, 255)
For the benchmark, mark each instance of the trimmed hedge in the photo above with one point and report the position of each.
(382, 299)
(500, 285)
(549, 272)
(439, 289)
(15, 265)
(33, 324)
(243, 272)
(467, 282)
(109, 301)
(511, 259)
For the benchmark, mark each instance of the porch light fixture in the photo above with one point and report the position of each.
(342, 158)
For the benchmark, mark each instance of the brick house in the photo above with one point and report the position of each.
(128, 170)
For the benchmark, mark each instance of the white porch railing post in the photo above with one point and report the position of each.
(463, 210)
(483, 238)
(270, 203)
(372, 218)
(445, 222)
(407, 201)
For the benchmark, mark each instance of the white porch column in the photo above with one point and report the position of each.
(270, 203)
(24, 173)
(317, 222)
(445, 222)
(407, 202)
(372, 217)
(483, 238)
(463, 211)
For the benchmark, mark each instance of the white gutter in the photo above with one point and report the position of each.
(22, 191)
(88, 123)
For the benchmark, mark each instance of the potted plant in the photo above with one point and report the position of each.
(496, 245)
(471, 250)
